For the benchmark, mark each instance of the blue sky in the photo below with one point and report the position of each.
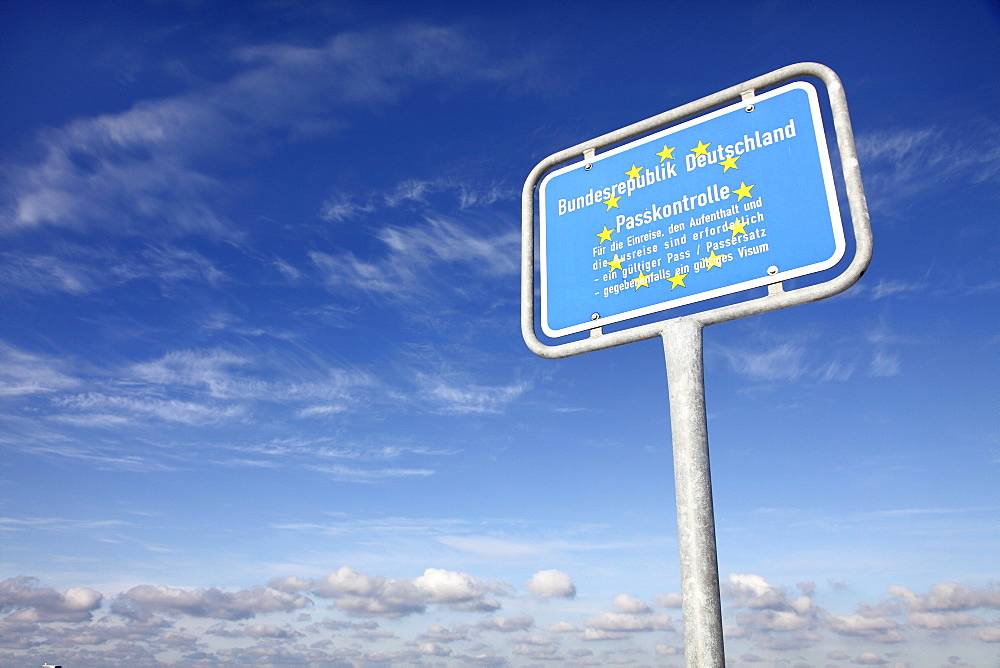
(264, 397)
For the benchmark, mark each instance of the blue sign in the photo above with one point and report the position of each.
(736, 199)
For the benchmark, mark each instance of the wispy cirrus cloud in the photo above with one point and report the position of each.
(79, 269)
(342, 206)
(367, 475)
(229, 376)
(768, 356)
(54, 524)
(130, 414)
(451, 395)
(900, 165)
(145, 407)
(151, 162)
(436, 251)
(23, 373)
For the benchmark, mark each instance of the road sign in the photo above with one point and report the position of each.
(738, 198)
(623, 230)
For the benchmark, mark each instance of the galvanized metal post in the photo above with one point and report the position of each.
(702, 606)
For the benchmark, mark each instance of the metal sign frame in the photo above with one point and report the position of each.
(776, 298)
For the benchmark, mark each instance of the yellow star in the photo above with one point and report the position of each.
(701, 148)
(604, 234)
(713, 260)
(738, 227)
(666, 153)
(641, 280)
(634, 172)
(616, 262)
(743, 191)
(729, 163)
(677, 279)
(612, 202)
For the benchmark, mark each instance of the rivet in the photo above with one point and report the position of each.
(588, 166)
(749, 108)
(772, 270)
(595, 316)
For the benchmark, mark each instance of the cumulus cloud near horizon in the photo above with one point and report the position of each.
(34, 604)
(154, 618)
(363, 595)
(551, 583)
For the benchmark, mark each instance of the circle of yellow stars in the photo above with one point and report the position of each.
(713, 260)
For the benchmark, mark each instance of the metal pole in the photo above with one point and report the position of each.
(702, 606)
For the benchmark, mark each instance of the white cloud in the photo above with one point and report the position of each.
(536, 653)
(672, 600)
(452, 396)
(620, 622)
(79, 268)
(342, 206)
(339, 208)
(948, 596)
(221, 375)
(777, 623)
(599, 634)
(902, 164)
(668, 650)
(141, 164)
(43, 274)
(630, 605)
(380, 596)
(488, 545)
(270, 631)
(551, 583)
(774, 357)
(433, 649)
(632, 615)
(860, 625)
(782, 362)
(889, 287)
(884, 365)
(753, 591)
(355, 474)
(255, 631)
(34, 604)
(436, 633)
(563, 627)
(507, 624)
(773, 618)
(213, 603)
(168, 410)
(27, 373)
(201, 388)
(419, 255)
(453, 588)
(944, 620)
